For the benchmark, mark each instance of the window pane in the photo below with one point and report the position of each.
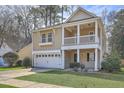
(43, 38)
(49, 37)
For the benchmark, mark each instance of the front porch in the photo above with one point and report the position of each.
(89, 57)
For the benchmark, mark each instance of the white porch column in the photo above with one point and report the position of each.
(78, 55)
(96, 60)
(62, 35)
(101, 56)
(96, 31)
(78, 34)
(63, 59)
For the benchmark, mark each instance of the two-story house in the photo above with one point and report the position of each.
(80, 39)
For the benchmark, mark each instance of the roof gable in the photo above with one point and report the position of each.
(80, 14)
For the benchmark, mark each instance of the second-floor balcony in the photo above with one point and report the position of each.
(83, 40)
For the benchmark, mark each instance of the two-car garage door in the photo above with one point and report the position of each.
(48, 60)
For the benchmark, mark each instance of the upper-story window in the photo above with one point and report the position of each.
(50, 37)
(43, 38)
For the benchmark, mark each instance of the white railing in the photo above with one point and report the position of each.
(87, 39)
(70, 40)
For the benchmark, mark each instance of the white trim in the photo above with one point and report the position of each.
(83, 10)
(63, 35)
(80, 47)
(48, 43)
(80, 22)
(47, 28)
(78, 34)
(63, 59)
(78, 55)
(96, 31)
(96, 60)
(47, 51)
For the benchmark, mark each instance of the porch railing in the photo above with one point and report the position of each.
(86, 39)
(70, 41)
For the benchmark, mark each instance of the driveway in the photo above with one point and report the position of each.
(7, 77)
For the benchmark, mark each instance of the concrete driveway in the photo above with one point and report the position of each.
(7, 77)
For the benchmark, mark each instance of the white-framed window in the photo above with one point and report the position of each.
(43, 38)
(50, 37)
(90, 56)
(91, 33)
(92, 37)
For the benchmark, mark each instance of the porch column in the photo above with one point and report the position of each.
(63, 59)
(62, 35)
(96, 31)
(96, 60)
(78, 34)
(101, 56)
(78, 55)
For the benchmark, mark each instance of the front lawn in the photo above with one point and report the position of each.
(76, 79)
(6, 86)
(10, 68)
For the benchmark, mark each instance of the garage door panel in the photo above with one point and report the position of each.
(50, 60)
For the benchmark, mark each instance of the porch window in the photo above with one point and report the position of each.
(90, 57)
(43, 38)
(50, 37)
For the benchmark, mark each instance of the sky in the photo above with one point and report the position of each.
(97, 9)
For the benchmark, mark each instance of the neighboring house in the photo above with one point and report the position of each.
(4, 49)
(25, 52)
(80, 39)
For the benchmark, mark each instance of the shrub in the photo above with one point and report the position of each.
(111, 62)
(72, 65)
(19, 63)
(10, 58)
(27, 62)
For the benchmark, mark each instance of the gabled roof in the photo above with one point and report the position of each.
(82, 12)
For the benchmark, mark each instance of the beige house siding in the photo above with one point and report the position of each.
(25, 52)
(56, 40)
(80, 15)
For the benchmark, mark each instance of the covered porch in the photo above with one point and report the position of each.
(89, 57)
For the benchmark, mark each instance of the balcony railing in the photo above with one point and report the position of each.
(87, 39)
(70, 41)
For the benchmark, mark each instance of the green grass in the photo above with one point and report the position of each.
(6, 86)
(10, 68)
(76, 79)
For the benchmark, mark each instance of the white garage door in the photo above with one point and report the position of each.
(49, 60)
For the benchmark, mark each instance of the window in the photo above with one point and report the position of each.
(75, 57)
(39, 55)
(36, 56)
(87, 57)
(90, 57)
(43, 38)
(45, 55)
(92, 37)
(55, 55)
(91, 33)
(49, 55)
(42, 55)
(49, 37)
